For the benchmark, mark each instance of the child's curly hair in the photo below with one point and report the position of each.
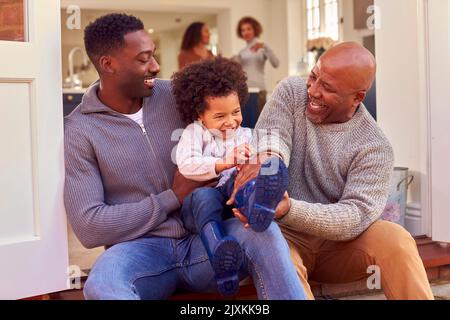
(216, 77)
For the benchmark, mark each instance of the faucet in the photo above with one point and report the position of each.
(73, 81)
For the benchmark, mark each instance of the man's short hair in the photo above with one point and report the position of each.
(106, 34)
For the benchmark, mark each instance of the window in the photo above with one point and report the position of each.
(313, 18)
(322, 18)
(331, 19)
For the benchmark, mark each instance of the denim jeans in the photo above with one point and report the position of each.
(205, 205)
(155, 268)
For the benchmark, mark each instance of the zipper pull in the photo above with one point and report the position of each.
(143, 129)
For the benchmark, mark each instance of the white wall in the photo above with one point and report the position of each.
(295, 33)
(401, 90)
(439, 102)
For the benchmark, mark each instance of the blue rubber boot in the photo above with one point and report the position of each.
(225, 255)
(258, 198)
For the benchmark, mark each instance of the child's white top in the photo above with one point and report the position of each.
(199, 149)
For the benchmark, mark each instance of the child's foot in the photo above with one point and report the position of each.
(225, 255)
(226, 262)
(259, 198)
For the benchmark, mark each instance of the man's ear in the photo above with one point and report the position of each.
(359, 97)
(106, 64)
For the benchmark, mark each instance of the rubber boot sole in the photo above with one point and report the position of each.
(227, 260)
(269, 190)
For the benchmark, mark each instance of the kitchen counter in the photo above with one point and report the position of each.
(74, 91)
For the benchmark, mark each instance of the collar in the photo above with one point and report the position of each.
(90, 103)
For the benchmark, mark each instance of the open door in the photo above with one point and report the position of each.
(33, 236)
(439, 98)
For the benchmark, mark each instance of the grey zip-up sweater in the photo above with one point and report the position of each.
(339, 173)
(118, 174)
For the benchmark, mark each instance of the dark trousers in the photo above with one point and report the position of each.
(206, 205)
(262, 99)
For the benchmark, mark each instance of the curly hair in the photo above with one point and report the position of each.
(217, 77)
(106, 34)
(257, 28)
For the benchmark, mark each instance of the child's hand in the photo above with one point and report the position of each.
(240, 155)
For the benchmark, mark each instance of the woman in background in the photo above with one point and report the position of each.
(253, 57)
(193, 47)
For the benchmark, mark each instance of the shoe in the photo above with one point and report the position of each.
(259, 197)
(225, 255)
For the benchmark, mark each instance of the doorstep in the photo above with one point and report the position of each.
(435, 256)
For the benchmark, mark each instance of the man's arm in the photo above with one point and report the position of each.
(275, 128)
(94, 222)
(361, 204)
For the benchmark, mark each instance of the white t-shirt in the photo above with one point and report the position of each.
(136, 117)
(198, 151)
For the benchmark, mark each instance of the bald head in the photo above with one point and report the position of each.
(352, 64)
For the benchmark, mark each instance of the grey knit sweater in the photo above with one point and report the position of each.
(339, 173)
(118, 175)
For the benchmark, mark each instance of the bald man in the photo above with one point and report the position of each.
(340, 165)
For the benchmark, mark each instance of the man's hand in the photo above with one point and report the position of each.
(182, 187)
(282, 209)
(247, 172)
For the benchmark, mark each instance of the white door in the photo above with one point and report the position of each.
(33, 236)
(439, 95)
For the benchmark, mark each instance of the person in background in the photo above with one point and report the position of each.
(253, 57)
(193, 46)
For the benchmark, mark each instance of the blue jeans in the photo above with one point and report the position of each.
(155, 268)
(206, 205)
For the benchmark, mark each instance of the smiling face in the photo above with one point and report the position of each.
(330, 100)
(223, 115)
(339, 82)
(134, 66)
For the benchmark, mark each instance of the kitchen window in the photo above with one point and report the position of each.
(322, 18)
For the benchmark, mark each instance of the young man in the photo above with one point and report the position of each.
(123, 191)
